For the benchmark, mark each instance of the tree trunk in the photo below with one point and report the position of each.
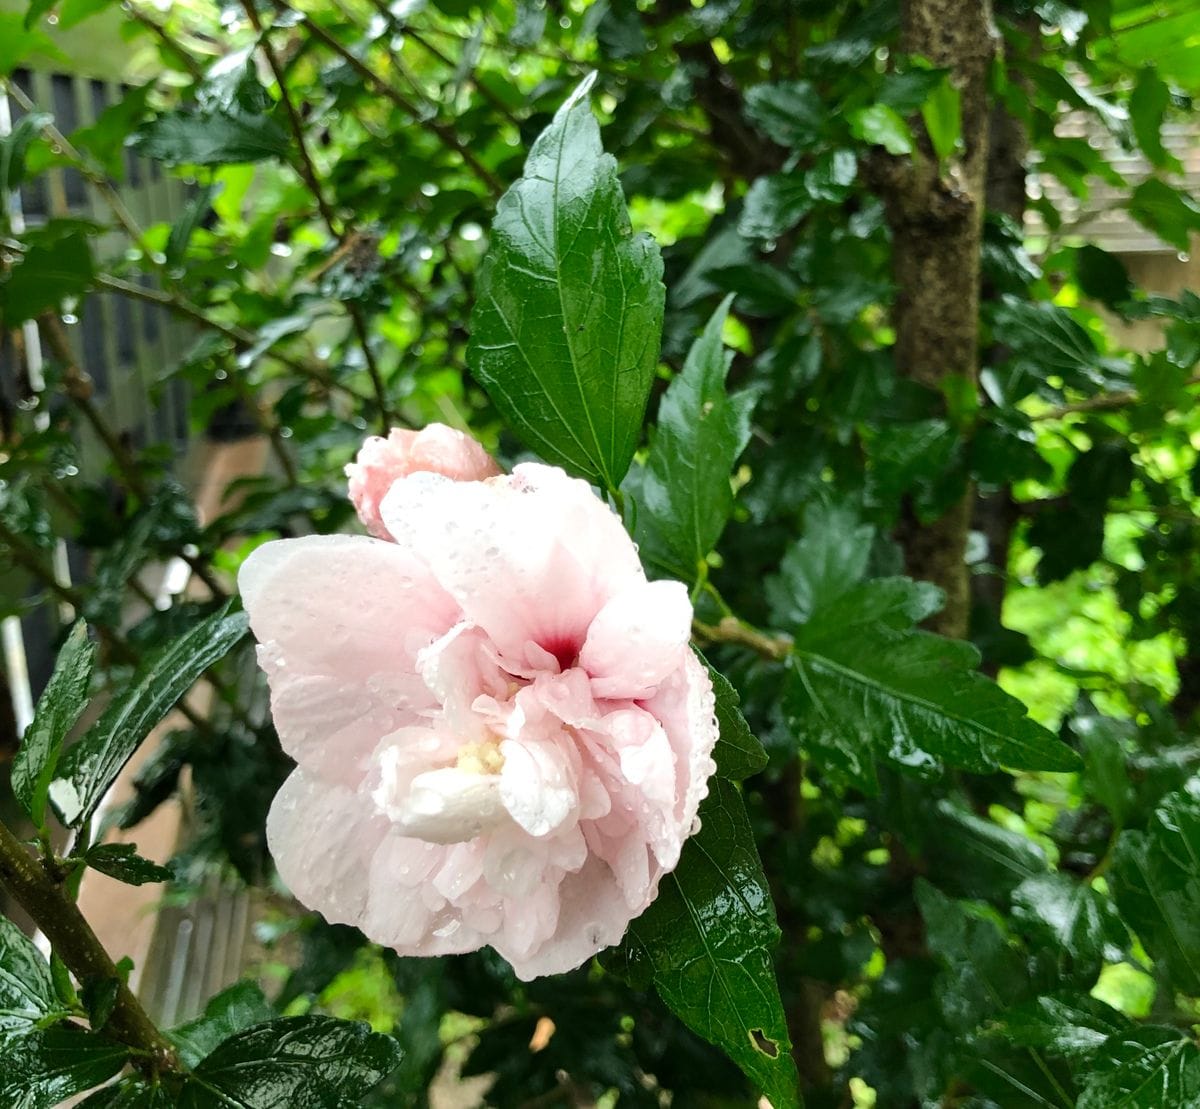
(936, 217)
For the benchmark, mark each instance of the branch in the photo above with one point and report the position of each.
(73, 940)
(733, 630)
(1102, 402)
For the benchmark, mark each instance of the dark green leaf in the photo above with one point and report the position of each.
(1083, 923)
(1102, 276)
(213, 137)
(791, 113)
(26, 990)
(307, 1062)
(976, 857)
(858, 694)
(1071, 1025)
(566, 325)
(983, 972)
(1156, 880)
(686, 496)
(1147, 105)
(773, 205)
(829, 559)
(1104, 758)
(44, 1068)
(233, 1010)
(121, 861)
(193, 214)
(1145, 1068)
(64, 698)
(57, 264)
(738, 753)
(130, 1093)
(99, 997)
(90, 766)
(15, 145)
(706, 943)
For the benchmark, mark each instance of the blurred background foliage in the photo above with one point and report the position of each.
(949, 939)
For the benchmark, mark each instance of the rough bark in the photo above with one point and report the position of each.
(936, 218)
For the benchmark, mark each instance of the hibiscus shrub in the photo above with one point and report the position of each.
(763, 662)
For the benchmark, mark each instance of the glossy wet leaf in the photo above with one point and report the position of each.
(1145, 1068)
(213, 137)
(858, 695)
(233, 1010)
(566, 325)
(1082, 922)
(706, 944)
(121, 861)
(44, 1068)
(791, 113)
(56, 264)
(309, 1062)
(26, 990)
(1070, 1025)
(90, 766)
(773, 205)
(738, 754)
(685, 493)
(58, 708)
(1156, 880)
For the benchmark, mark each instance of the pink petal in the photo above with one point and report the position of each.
(637, 639)
(531, 558)
(341, 619)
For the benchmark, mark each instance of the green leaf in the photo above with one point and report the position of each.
(686, 492)
(58, 708)
(1081, 922)
(775, 204)
(17, 42)
(566, 325)
(1070, 1025)
(233, 1010)
(26, 990)
(1102, 276)
(90, 766)
(50, 1065)
(193, 214)
(982, 971)
(792, 113)
(1171, 214)
(880, 125)
(1148, 104)
(309, 1062)
(56, 264)
(738, 754)
(825, 562)
(706, 943)
(15, 145)
(130, 1093)
(1146, 1068)
(213, 137)
(855, 695)
(1155, 878)
(942, 115)
(99, 998)
(121, 861)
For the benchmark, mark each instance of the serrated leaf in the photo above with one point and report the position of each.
(309, 1062)
(775, 204)
(791, 113)
(983, 972)
(233, 1010)
(121, 861)
(1070, 1025)
(1155, 878)
(214, 137)
(50, 1065)
(1083, 923)
(1147, 1068)
(738, 754)
(58, 708)
(566, 325)
(706, 944)
(855, 695)
(90, 766)
(26, 990)
(686, 496)
(824, 563)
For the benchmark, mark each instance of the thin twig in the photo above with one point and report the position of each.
(732, 630)
(1103, 402)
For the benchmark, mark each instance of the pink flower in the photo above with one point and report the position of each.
(436, 449)
(502, 734)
